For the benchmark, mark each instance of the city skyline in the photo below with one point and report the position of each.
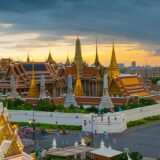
(39, 26)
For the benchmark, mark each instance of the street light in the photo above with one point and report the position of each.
(93, 116)
(32, 121)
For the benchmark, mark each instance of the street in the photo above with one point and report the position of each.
(143, 139)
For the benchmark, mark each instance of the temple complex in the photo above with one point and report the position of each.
(11, 147)
(91, 76)
(87, 79)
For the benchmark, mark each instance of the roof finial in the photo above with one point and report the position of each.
(28, 59)
(96, 63)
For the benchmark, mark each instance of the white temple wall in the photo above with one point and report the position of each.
(142, 112)
(112, 122)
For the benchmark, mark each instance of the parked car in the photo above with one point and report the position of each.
(43, 131)
(27, 130)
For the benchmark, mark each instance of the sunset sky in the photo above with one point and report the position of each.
(37, 26)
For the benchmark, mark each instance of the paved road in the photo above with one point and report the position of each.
(144, 139)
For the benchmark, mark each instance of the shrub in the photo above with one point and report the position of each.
(133, 156)
(91, 109)
(135, 123)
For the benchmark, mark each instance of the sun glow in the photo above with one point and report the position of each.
(19, 45)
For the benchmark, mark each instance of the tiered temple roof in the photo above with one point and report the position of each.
(10, 143)
(128, 85)
(22, 72)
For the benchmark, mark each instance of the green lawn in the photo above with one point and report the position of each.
(143, 121)
(50, 126)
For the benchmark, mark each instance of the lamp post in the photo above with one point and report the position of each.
(92, 129)
(33, 124)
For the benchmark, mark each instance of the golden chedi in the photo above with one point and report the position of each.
(78, 90)
(33, 89)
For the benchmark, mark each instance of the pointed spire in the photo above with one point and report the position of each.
(78, 90)
(102, 145)
(113, 62)
(50, 59)
(76, 143)
(54, 144)
(83, 142)
(70, 98)
(33, 89)
(78, 54)
(96, 62)
(113, 70)
(67, 63)
(28, 59)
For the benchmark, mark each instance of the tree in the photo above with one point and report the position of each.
(132, 155)
(81, 107)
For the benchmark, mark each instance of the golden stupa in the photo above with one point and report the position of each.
(33, 89)
(113, 70)
(78, 90)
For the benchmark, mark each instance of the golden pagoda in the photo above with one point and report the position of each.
(113, 70)
(78, 90)
(33, 89)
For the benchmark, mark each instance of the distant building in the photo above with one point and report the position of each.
(133, 64)
(121, 67)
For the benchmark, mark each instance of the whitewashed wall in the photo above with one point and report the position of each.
(77, 119)
(48, 117)
(110, 123)
(140, 113)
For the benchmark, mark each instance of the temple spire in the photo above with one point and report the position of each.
(50, 59)
(97, 63)
(113, 70)
(28, 59)
(78, 55)
(113, 62)
(67, 63)
(78, 90)
(33, 89)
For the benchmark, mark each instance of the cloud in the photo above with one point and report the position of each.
(124, 21)
(5, 25)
